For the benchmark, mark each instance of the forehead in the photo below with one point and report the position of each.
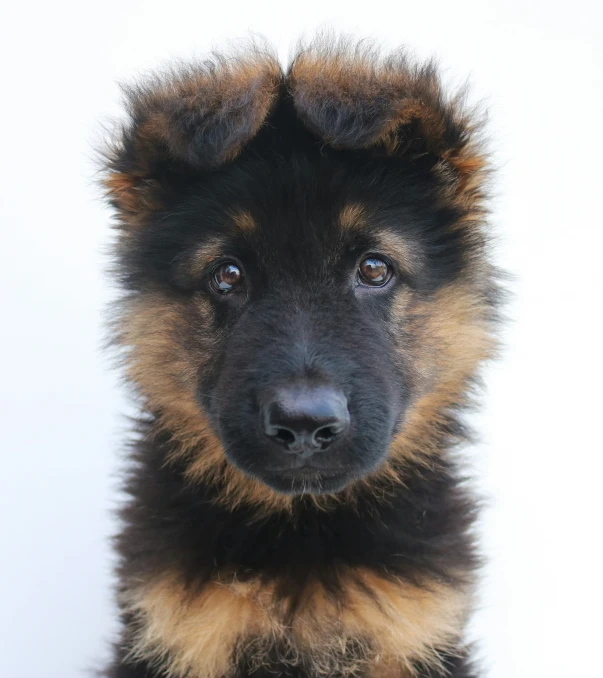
(310, 208)
(313, 199)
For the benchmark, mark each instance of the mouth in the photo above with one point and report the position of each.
(306, 478)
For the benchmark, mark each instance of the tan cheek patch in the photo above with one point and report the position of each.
(154, 332)
(200, 635)
(447, 338)
(450, 335)
(168, 343)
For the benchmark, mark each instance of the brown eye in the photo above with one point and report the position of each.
(374, 271)
(226, 277)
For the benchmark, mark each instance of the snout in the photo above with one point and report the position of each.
(314, 408)
(304, 419)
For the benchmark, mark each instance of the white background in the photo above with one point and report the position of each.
(538, 65)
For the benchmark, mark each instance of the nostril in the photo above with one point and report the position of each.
(325, 434)
(284, 436)
(305, 419)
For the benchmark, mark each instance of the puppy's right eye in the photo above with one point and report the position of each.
(226, 277)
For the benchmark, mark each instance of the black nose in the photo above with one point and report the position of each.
(305, 419)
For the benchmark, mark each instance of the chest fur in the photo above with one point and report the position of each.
(367, 626)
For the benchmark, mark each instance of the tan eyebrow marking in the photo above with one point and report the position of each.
(213, 248)
(355, 216)
(244, 221)
(401, 249)
(352, 216)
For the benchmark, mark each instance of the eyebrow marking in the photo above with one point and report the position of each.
(352, 216)
(406, 253)
(244, 221)
(211, 249)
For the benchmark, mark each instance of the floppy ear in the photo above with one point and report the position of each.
(187, 119)
(354, 98)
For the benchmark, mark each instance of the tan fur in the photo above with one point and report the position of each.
(153, 330)
(352, 216)
(198, 634)
(133, 196)
(212, 249)
(119, 188)
(244, 221)
(448, 336)
(399, 249)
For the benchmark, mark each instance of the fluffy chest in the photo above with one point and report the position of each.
(366, 626)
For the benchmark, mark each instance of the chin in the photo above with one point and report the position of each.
(307, 481)
(293, 475)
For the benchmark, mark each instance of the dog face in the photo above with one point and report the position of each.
(308, 295)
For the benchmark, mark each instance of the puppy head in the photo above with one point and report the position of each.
(308, 298)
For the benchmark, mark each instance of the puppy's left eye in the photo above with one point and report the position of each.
(374, 271)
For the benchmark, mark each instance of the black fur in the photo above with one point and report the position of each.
(422, 528)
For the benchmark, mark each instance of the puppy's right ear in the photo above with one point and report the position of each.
(184, 121)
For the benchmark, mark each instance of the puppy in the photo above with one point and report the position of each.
(307, 303)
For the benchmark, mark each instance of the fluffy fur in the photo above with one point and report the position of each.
(228, 569)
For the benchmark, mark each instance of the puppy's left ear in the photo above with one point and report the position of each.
(353, 98)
